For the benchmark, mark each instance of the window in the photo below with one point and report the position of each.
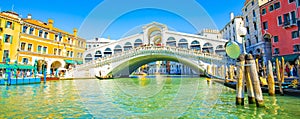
(253, 12)
(246, 9)
(248, 31)
(295, 34)
(256, 38)
(59, 52)
(29, 47)
(286, 18)
(293, 16)
(25, 60)
(279, 20)
(46, 35)
(5, 55)
(271, 8)
(40, 33)
(265, 25)
(31, 31)
(9, 25)
(23, 46)
(24, 29)
(55, 51)
(71, 54)
(56, 37)
(45, 50)
(275, 39)
(291, 1)
(68, 53)
(296, 48)
(7, 38)
(60, 38)
(39, 49)
(255, 26)
(252, 3)
(277, 5)
(276, 51)
(249, 42)
(263, 11)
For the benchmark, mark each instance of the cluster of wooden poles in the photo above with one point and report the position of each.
(247, 73)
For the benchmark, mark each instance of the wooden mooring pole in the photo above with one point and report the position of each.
(278, 76)
(271, 83)
(255, 81)
(240, 81)
(249, 85)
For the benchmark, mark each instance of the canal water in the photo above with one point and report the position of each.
(152, 97)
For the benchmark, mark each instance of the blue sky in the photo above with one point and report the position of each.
(69, 14)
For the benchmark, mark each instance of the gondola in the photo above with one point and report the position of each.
(102, 78)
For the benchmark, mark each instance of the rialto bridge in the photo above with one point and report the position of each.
(154, 43)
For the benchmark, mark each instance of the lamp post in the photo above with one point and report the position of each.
(242, 33)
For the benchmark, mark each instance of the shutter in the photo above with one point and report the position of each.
(13, 26)
(4, 38)
(11, 39)
(5, 24)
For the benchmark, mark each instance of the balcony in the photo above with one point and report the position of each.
(290, 23)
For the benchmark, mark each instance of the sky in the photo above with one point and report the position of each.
(116, 18)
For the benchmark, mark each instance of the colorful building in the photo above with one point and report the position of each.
(255, 43)
(279, 25)
(28, 40)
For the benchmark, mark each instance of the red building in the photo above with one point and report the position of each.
(279, 25)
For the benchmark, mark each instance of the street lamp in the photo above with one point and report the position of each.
(242, 33)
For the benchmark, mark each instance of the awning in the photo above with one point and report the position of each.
(79, 62)
(292, 57)
(70, 61)
(14, 66)
(25, 67)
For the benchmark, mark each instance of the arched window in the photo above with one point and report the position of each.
(138, 42)
(98, 54)
(220, 49)
(118, 49)
(88, 58)
(208, 48)
(107, 52)
(171, 41)
(127, 46)
(183, 43)
(195, 45)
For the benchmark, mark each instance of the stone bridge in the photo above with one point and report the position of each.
(124, 63)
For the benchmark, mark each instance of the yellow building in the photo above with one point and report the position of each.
(34, 40)
(9, 35)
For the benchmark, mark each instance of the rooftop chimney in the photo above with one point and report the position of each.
(231, 16)
(50, 24)
(75, 32)
(29, 16)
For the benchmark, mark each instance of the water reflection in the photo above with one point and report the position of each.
(163, 97)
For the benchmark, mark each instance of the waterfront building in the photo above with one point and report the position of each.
(9, 35)
(97, 42)
(230, 30)
(255, 43)
(27, 40)
(279, 26)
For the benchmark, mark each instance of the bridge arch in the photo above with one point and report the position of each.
(183, 43)
(107, 52)
(208, 47)
(88, 58)
(127, 67)
(171, 41)
(137, 43)
(127, 46)
(117, 49)
(195, 45)
(98, 54)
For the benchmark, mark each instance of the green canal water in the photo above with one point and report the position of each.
(156, 97)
